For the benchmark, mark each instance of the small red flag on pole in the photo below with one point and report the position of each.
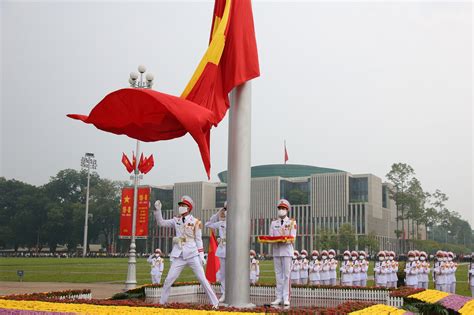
(213, 263)
(286, 154)
(126, 163)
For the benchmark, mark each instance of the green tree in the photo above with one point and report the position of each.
(400, 176)
(105, 209)
(22, 214)
(416, 199)
(347, 238)
(326, 239)
(369, 242)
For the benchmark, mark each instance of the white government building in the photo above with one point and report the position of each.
(321, 198)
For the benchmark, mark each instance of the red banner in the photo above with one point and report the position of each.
(141, 230)
(142, 212)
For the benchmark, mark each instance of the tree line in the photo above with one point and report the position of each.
(417, 208)
(52, 214)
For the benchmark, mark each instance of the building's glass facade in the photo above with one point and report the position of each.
(164, 195)
(297, 193)
(358, 189)
(385, 196)
(221, 196)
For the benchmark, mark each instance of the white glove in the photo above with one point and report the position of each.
(158, 205)
(201, 256)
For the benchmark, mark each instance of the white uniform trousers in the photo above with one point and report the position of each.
(452, 287)
(222, 272)
(282, 267)
(156, 278)
(472, 290)
(175, 270)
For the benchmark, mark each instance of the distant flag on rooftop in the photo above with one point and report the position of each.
(286, 154)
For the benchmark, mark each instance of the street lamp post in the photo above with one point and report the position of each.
(136, 81)
(447, 233)
(88, 162)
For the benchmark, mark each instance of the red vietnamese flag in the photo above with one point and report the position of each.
(230, 60)
(126, 162)
(213, 263)
(148, 164)
(286, 154)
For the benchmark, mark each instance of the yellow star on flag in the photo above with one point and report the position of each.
(126, 199)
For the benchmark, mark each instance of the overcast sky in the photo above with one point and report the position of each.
(355, 86)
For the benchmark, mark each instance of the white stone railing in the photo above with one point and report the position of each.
(86, 296)
(154, 292)
(380, 296)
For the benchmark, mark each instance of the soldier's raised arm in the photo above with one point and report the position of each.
(159, 217)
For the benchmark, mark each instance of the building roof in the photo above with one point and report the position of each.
(283, 170)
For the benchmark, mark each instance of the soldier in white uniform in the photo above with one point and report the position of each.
(380, 270)
(324, 268)
(304, 267)
(332, 267)
(364, 267)
(314, 269)
(254, 268)
(295, 268)
(282, 252)
(187, 248)
(392, 279)
(452, 273)
(356, 268)
(418, 266)
(411, 271)
(346, 269)
(157, 266)
(440, 271)
(423, 271)
(218, 222)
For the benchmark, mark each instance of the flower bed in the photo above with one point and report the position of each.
(468, 308)
(405, 291)
(106, 307)
(381, 309)
(429, 296)
(435, 301)
(44, 296)
(455, 302)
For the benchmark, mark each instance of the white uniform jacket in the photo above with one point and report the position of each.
(440, 272)
(364, 267)
(411, 271)
(347, 269)
(188, 240)
(283, 227)
(157, 264)
(314, 269)
(304, 268)
(219, 225)
(380, 270)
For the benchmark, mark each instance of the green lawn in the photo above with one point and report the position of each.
(114, 270)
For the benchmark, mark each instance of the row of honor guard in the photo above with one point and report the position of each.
(323, 270)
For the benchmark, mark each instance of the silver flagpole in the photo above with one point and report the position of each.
(238, 199)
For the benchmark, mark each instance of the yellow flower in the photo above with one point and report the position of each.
(378, 309)
(468, 308)
(100, 309)
(429, 296)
